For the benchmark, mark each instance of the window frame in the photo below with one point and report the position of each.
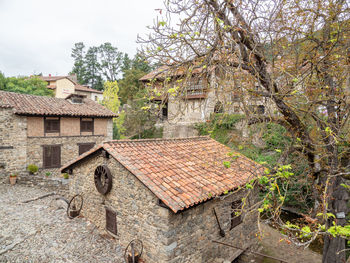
(234, 219)
(111, 226)
(92, 144)
(83, 122)
(48, 122)
(50, 164)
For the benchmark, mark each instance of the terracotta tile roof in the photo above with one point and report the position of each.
(76, 85)
(158, 72)
(181, 172)
(53, 78)
(86, 89)
(165, 71)
(24, 104)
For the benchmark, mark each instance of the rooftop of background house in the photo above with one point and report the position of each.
(24, 104)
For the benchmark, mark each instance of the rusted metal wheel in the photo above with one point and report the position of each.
(74, 206)
(103, 179)
(133, 251)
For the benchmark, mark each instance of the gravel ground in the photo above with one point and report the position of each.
(40, 231)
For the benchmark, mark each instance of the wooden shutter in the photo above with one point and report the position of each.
(87, 125)
(85, 147)
(46, 156)
(111, 221)
(56, 156)
(52, 125)
(51, 156)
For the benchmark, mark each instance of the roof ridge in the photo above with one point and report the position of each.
(30, 95)
(28, 104)
(159, 139)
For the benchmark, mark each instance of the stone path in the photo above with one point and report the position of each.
(40, 231)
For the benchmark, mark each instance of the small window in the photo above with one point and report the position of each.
(87, 125)
(52, 125)
(261, 109)
(84, 147)
(165, 111)
(51, 156)
(77, 100)
(95, 98)
(111, 221)
(235, 219)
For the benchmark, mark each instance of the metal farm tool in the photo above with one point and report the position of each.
(74, 206)
(222, 232)
(133, 251)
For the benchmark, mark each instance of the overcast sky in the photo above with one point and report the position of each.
(38, 35)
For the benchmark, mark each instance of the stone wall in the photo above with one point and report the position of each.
(22, 138)
(184, 113)
(193, 231)
(13, 135)
(69, 138)
(138, 215)
(69, 147)
(51, 184)
(167, 237)
(179, 130)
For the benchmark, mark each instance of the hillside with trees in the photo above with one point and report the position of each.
(105, 68)
(26, 85)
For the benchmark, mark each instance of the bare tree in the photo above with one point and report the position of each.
(298, 52)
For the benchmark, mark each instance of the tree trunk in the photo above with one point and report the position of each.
(331, 246)
(333, 249)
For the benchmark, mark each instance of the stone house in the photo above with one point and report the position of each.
(199, 95)
(164, 192)
(48, 131)
(63, 86)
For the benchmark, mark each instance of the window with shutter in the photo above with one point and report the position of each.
(235, 219)
(111, 221)
(87, 125)
(84, 147)
(52, 125)
(51, 156)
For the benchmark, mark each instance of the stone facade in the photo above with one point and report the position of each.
(13, 135)
(167, 237)
(202, 100)
(183, 113)
(69, 147)
(22, 138)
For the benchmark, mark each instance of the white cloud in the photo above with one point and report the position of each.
(38, 35)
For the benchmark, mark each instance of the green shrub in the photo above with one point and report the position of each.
(47, 174)
(275, 136)
(149, 134)
(65, 176)
(32, 168)
(218, 122)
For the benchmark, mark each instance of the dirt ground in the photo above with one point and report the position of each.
(40, 231)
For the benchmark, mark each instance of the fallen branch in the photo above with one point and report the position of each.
(13, 245)
(40, 197)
